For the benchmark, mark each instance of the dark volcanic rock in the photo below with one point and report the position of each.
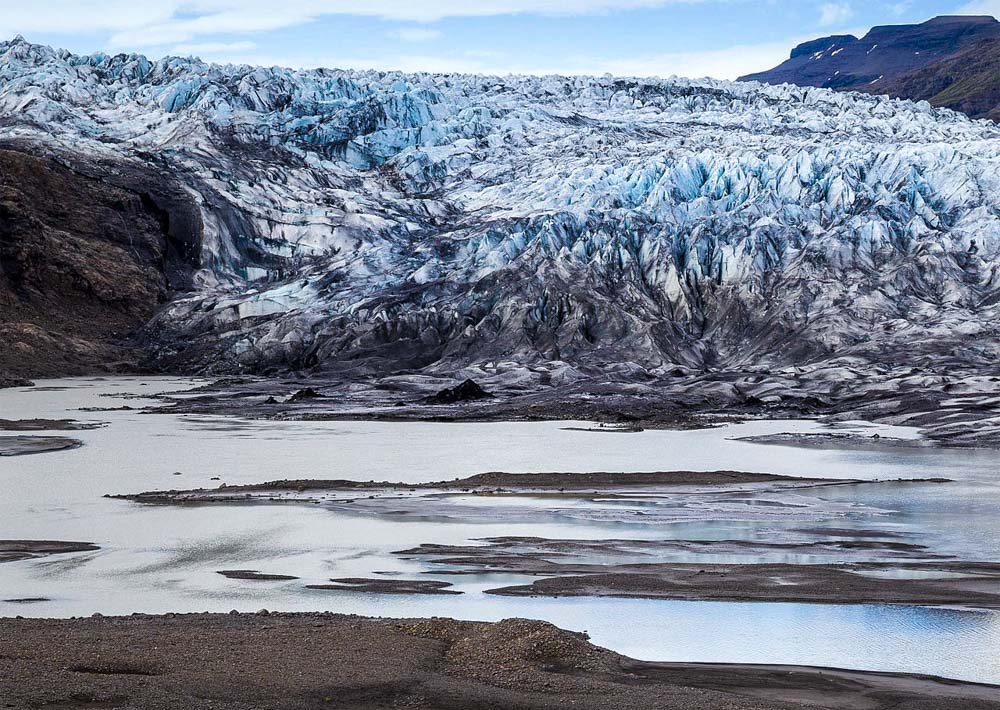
(304, 395)
(948, 61)
(468, 391)
(87, 254)
(8, 382)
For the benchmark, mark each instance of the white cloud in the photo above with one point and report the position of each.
(68, 16)
(981, 7)
(160, 22)
(900, 8)
(727, 63)
(213, 48)
(190, 19)
(415, 34)
(835, 13)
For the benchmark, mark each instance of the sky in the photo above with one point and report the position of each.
(696, 38)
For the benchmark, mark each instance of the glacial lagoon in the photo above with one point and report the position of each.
(155, 559)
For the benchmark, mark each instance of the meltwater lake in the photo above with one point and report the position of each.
(156, 559)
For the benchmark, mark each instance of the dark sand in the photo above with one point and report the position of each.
(617, 568)
(574, 483)
(15, 550)
(255, 576)
(837, 442)
(531, 549)
(823, 584)
(386, 586)
(552, 484)
(47, 425)
(595, 568)
(953, 405)
(297, 661)
(24, 445)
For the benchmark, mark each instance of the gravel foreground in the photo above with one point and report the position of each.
(275, 661)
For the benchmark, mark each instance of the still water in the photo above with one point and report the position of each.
(155, 559)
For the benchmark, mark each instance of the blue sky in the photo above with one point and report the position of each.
(721, 38)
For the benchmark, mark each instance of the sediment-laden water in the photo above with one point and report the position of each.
(159, 559)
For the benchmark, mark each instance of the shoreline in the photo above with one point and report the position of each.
(277, 660)
(957, 411)
(953, 409)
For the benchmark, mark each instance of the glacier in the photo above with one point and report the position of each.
(373, 222)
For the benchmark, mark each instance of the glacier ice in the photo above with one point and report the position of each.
(378, 221)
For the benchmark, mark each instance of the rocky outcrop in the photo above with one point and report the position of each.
(468, 391)
(88, 252)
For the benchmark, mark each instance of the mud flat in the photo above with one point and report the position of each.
(25, 445)
(26, 600)
(860, 570)
(831, 565)
(821, 584)
(838, 441)
(323, 660)
(47, 425)
(646, 499)
(493, 483)
(532, 554)
(252, 575)
(386, 586)
(952, 405)
(16, 550)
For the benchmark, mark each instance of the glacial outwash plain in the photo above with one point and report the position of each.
(367, 389)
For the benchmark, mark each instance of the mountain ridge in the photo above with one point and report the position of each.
(967, 81)
(954, 54)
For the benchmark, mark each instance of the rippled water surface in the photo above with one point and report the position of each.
(157, 559)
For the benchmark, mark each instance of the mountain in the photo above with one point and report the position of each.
(949, 61)
(967, 81)
(369, 222)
